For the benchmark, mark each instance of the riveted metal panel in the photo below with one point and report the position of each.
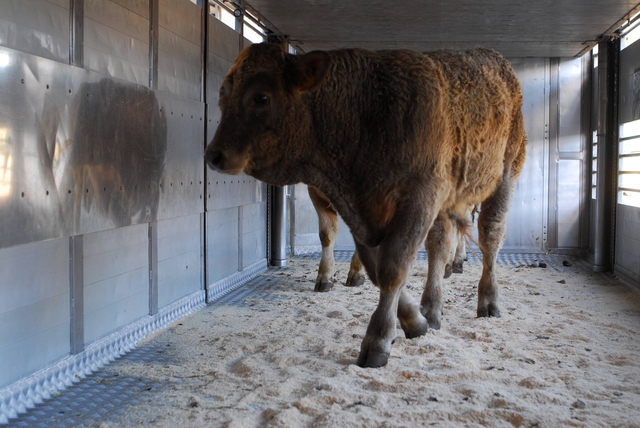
(116, 40)
(179, 49)
(79, 152)
(182, 185)
(37, 27)
(226, 191)
(116, 279)
(629, 95)
(34, 307)
(222, 243)
(178, 258)
(254, 233)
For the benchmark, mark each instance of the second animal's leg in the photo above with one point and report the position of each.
(461, 254)
(356, 275)
(328, 229)
(439, 245)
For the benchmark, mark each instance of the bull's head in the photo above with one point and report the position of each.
(263, 111)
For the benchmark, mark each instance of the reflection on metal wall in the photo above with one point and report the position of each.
(83, 153)
(116, 39)
(38, 27)
(179, 49)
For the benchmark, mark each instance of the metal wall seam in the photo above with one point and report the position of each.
(76, 33)
(154, 11)
(76, 293)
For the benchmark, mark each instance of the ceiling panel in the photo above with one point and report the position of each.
(517, 28)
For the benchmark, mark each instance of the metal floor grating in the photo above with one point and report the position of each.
(103, 395)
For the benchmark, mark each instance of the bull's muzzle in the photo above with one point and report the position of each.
(215, 159)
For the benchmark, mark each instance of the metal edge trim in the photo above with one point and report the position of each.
(218, 289)
(27, 392)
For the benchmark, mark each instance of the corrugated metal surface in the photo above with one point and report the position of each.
(179, 49)
(34, 307)
(38, 27)
(116, 39)
(179, 264)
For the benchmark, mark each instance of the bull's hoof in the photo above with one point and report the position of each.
(491, 310)
(323, 287)
(372, 360)
(447, 271)
(432, 316)
(412, 333)
(354, 282)
(457, 267)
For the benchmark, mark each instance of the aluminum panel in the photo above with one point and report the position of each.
(226, 191)
(182, 185)
(80, 152)
(223, 40)
(116, 279)
(116, 41)
(34, 307)
(569, 188)
(179, 263)
(37, 27)
(179, 49)
(570, 106)
(254, 233)
(222, 244)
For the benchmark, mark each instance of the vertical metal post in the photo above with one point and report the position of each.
(608, 53)
(204, 58)
(154, 10)
(76, 33)
(279, 227)
(76, 294)
(153, 268)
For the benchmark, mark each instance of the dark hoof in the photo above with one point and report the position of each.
(354, 282)
(457, 268)
(371, 360)
(490, 311)
(323, 287)
(412, 334)
(447, 271)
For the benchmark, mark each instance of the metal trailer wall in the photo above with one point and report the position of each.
(627, 232)
(548, 207)
(103, 187)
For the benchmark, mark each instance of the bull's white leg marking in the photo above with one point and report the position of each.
(411, 319)
(328, 229)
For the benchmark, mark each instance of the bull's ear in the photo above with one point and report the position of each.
(308, 70)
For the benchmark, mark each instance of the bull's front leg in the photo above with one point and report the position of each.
(388, 268)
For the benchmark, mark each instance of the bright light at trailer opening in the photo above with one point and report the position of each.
(5, 59)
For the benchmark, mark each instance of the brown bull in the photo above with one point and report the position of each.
(400, 142)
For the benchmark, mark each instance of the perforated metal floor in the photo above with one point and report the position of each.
(103, 396)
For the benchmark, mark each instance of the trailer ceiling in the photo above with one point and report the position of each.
(516, 28)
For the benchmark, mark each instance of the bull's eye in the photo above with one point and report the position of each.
(260, 99)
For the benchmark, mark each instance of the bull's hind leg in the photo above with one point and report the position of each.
(328, 229)
(356, 275)
(440, 242)
(491, 233)
(461, 254)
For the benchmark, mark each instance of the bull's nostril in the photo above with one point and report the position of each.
(214, 159)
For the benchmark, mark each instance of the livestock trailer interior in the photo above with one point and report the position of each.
(112, 227)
